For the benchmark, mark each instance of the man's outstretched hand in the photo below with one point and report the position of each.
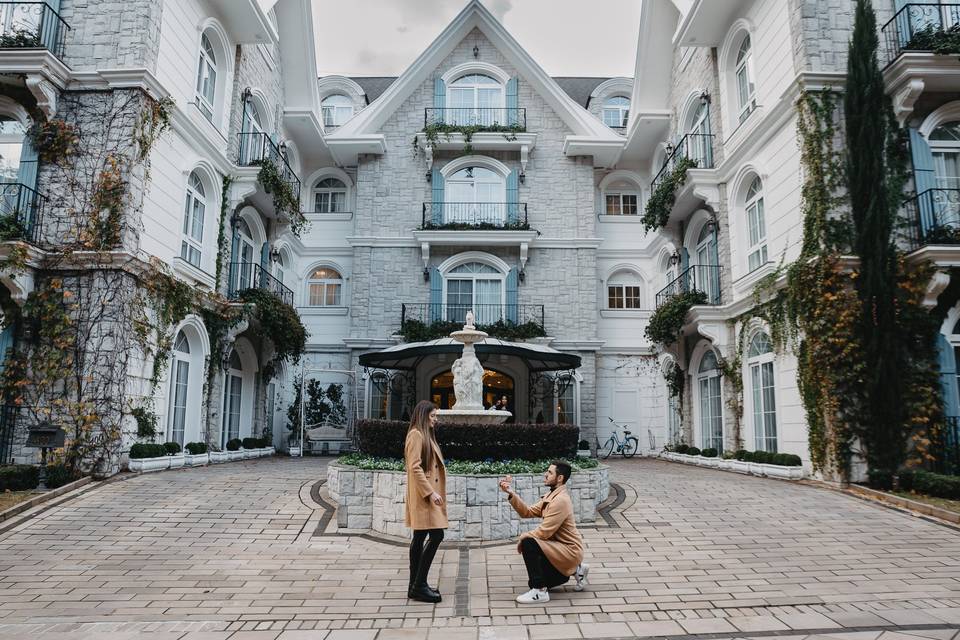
(505, 483)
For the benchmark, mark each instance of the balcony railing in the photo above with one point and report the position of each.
(510, 216)
(697, 147)
(32, 25)
(932, 217)
(920, 27)
(21, 212)
(257, 148)
(485, 314)
(697, 277)
(250, 275)
(494, 118)
(946, 448)
(8, 423)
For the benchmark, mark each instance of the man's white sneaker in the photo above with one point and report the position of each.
(581, 576)
(534, 596)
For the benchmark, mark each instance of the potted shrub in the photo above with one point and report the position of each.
(266, 447)
(216, 455)
(196, 454)
(233, 449)
(708, 458)
(251, 447)
(147, 456)
(294, 449)
(175, 451)
(583, 449)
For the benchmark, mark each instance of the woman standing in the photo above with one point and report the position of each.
(426, 504)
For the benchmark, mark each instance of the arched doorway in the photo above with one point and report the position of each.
(495, 385)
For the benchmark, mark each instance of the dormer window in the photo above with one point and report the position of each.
(616, 112)
(336, 110)
(475, 99)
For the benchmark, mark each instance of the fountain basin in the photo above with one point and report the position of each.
(476, 416)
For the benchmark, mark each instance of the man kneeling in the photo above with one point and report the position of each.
(554, 550)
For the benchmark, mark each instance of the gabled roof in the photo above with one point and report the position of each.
(361, 134)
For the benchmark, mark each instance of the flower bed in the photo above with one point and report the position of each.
(373, 499)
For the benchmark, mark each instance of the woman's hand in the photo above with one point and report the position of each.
(436, 498)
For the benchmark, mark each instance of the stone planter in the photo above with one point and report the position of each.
(177, 460)
(294, 452)
(235, 455)
(583, 453)
(738, 466)
(268, 451)
(196, 460)
(249, 453)
(476, 508)
(713, 463)
(144, 465)
(778, 471)
(216, 457)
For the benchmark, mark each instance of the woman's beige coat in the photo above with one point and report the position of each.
(422, 513)
(557, 535)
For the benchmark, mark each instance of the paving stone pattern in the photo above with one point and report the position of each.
(228, 551)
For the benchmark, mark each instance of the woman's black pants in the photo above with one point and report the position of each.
(422, 550)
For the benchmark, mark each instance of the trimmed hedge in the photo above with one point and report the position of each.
(234, 445)
(932, 484)
(766, 457)
(472, 442)
(19, 477)
(147, 450)
(172, 448)
(681, 448)
(251, 443)
(693, 451)
(709, 452)
(196, 448)
(59, 475)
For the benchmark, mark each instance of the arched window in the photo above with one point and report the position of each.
(279, 268)
(707, 273)
(206, 77)
(179, 387)
(699, 143)
(191, 247)
(616, 112)
(253, 141)
(711, 409)
(623, 291)
(12, 133)
(475, 99)
(336, 110)
(475, 286)
(762, 388)
(244, 267)
(746, 92)
(945, 145)
(566, 396)
(325, 288)
(330, 196)
(756, 225)
(621, 199)
(475, 195)
(232, 395)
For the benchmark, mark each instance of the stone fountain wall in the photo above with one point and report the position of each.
(476, 508)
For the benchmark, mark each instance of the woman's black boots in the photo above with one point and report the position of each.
(417, 589)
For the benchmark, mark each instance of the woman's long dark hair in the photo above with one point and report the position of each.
(421, 422)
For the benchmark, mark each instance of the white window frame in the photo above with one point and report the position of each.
(574, 390)
(618, 200)
(177, 414)
(939, 149)
(13, 139)
(472, 115)
(492, 210)
(194, 214)
(335, 110)
(481, 315)
(709, 379)
(618, 107)
(207, 74)
(743, 72)
(325, 284)
(757, 364)
(756, 225)
(233, 377)
(622, 281)
(330, 191)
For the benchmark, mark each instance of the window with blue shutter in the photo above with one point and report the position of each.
(948, 376)
(439, 100)
(436, 295)
(924, 179)
(513, 308)
(436, 204)
(513, 197)
(513, 105)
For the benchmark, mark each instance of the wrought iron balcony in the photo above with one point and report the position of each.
(32, 25)
(9, 415)
(513, 118)
(698, 277)
(250, 275)
(932, 217)
(509, 216)
(920, 27)
(258, 148)
(946, 447)
(21, 212)
(696, 147)
(485, 314)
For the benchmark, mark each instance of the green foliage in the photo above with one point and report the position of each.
(223, 241)
(278, 322)
(234, 444)
(693, 451)
(154, 120)
(933, 38)
(666, 322)
(768, 457)
(931, 484)
(675, 379)
(709, 452)
(146, 422)
(657, 211)
(434, 130)
(143, 450)
(19, 39)
(59, 475)
(196, 448)
(325, 406)
(172, 300)
(19, 477)
(418, 331)
(251, 443)
(520, 225)
(293, 412)
(172, 448)
(284, 198)
(466, 467)
(11, 228)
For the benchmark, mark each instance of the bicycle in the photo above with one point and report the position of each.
(627, 447)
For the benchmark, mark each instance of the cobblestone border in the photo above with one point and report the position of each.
(40, 498)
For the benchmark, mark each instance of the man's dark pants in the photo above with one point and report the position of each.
(542, 574)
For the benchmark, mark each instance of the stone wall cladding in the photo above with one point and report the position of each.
(821, 30)
(693, 71)
(112, 33)
(476, 508)
(252, 69)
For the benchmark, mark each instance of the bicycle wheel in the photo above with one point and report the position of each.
(608, 449)
(630, 447)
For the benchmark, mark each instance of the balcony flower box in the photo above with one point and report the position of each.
(216, 457)
(197, 460)
(144, 465)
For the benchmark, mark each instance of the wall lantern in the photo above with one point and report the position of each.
(675, 258)
(476, 51)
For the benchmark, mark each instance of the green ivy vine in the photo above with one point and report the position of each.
(284, 198)
(418, 331)
(434, 130)
(223, 240)
(666, 322)
(280, 323)
(657, 211)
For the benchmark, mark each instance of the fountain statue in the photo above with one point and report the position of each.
(468, 382)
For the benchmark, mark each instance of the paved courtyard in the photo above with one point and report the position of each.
(244, 551)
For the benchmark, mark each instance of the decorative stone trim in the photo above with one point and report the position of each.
(476, 508)
(738, 466)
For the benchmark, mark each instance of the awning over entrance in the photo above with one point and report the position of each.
(408, 355)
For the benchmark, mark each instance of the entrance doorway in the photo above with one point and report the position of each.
(495, 385)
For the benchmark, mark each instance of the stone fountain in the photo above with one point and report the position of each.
(468, 383)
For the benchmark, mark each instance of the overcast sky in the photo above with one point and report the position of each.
(566, 37)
